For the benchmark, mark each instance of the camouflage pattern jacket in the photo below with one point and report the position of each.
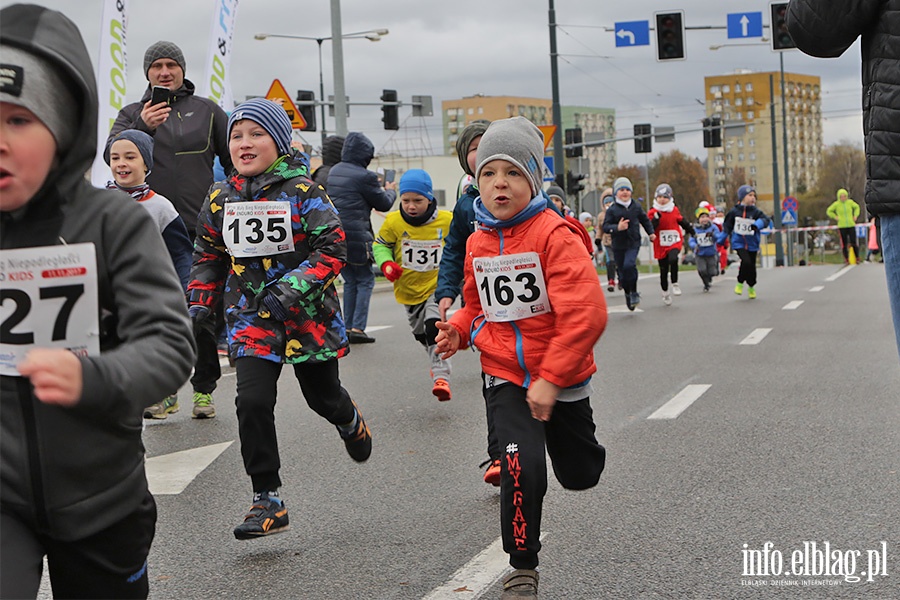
(302, 279)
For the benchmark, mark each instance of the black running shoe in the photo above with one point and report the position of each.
(628, 301)
(266, 516)
(359, 442)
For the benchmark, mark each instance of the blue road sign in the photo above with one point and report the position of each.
(549, 173)
(633, 33)
(788, 217)
(745, 25)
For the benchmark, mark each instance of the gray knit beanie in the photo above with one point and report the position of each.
(36, 83)
(140, 139)
(518, 141)
(555, 190)
(621, 182)
(160, 50)
(471, 131)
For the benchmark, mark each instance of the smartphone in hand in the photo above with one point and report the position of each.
(160, 94)
(389, 175)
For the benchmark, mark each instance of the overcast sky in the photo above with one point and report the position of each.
(465, 47)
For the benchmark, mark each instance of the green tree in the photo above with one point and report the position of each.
(686, 175)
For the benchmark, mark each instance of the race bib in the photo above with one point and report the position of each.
(421, 255)
(48, 299)
(743, 226)
(705, 240)
(252, 229)
(668, 237)
(511, 287)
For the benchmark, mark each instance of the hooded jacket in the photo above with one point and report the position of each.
(302, 279)
(845, 213)
(355, 191)
(826, 28)
(184, 148)
(331, 155)
(69, 472)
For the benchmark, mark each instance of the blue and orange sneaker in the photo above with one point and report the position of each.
(267, 515)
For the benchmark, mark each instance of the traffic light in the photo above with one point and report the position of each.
(643, 141)
(560, 180)
(391, 112)
(574, 136)
(712, 132)
(781, 38)
(307, 111)
(670, 36)
(573, 183)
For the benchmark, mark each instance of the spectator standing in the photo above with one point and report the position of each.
(845, 211)
(356, 192)
(188, 132)
(826, 28)
(331, 155)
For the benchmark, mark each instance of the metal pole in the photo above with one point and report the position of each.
(337, 53)
(779, 255)
(787, 179)
(322, 91)
(558, 155)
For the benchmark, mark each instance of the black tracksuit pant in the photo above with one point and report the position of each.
(576, 456)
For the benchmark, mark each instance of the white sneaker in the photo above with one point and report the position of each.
(667, 298)
(676, 290)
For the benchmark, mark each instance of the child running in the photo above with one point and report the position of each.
(270, 240)
(742, 226)
(704, 246)
(668, 224)
(534, 310)
(623, 221)
(604, 242)
(408, 252)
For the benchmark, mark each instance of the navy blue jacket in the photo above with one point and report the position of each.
(631, 237)
(450, 275)
(355, 191)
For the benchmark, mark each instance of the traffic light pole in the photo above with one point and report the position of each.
(776, 205)
(558, 157)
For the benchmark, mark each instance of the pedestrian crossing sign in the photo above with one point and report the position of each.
(279, 95)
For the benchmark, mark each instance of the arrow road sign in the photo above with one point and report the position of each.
(745, 25)
(633, 33)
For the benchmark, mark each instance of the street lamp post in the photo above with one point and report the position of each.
(373, 35)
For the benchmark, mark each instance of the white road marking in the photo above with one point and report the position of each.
(377, 328)
(755, 337)
(792, 305)
(817, 288)
(171, 473)
(476, 576)
(839, 273)
(682, 400)
(620, 309)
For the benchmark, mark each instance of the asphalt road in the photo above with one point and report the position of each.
(794, 441)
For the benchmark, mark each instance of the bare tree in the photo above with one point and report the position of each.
(843, 166)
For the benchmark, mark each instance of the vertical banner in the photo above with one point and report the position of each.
(111, 79)
(217, 84)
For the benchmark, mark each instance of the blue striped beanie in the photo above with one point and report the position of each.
(271, 116)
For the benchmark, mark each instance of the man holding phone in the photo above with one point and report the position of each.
(188, 133)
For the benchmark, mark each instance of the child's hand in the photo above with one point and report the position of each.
(155, 115)
(444, 305)
(447, 339)
(623, 224)
(55, 374)
(541, 397)
(392, 271)
(652, 237)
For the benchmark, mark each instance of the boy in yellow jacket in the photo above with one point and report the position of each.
(408, 252)
(845, 211)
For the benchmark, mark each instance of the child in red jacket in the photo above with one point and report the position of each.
(534, 311)
(668, 224)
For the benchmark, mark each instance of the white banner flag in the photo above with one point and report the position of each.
(111, 80)
(217, 85)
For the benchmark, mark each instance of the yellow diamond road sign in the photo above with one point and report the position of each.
(278, 94)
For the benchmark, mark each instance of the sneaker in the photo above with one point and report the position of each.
(203, 406)
(705, 287)
(358, 442)
(635, 298)
(751, 292)
(161, 410)
(611, 285)
(676, 291)
(739, 289)
(492, 475)
(521, 583)
(359, 337)
(628, 301)
(266, 516)
(441, 390)
(667, 298)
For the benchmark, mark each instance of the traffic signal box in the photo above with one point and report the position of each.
(307, 111)
(574, 136)
(712, 132)
(670, 36)
(391, 112)
(781, 38)
(573, 183)
(643, 141)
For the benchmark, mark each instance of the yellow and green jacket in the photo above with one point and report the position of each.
(846, 212)
(413, 287)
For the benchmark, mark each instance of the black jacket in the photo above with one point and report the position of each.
(826, 28)
(71, 472)
(355, 191)
(631, 237)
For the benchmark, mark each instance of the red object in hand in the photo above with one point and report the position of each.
(391, 270)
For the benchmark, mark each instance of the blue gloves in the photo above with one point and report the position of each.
(274, 306)
(198, 314)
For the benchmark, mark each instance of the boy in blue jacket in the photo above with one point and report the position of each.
(703, 245)
(623, 221)
(742, 225)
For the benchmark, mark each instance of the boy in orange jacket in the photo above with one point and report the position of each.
(534, 309)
